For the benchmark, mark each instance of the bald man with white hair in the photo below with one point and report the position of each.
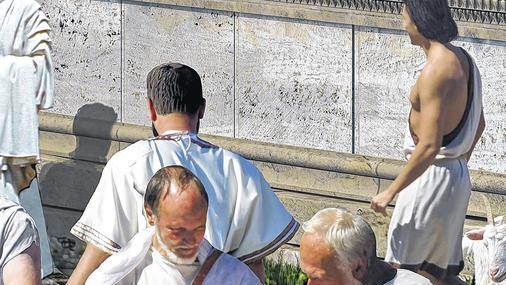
(339, 248)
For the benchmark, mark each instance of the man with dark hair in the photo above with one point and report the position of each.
(172, 250)
(245, 218)
(445, 123)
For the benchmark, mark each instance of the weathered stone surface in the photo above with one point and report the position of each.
(202, 40)
(86, 53)
(294, 82)
(68, 183)
(386, 65)
(490, 57)
(65, 248)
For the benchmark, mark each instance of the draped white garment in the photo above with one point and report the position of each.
(245, 218)
(139, 264)
(406, 277)
(26, 76)
(17, 232)
(427, 224)
(26, 86)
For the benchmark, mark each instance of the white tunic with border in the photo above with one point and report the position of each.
(245, 218)
(139, 264)
(427, 224)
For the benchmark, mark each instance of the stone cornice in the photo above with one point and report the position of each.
(331, 14)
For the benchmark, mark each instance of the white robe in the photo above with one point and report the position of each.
(26, 76)
(26, 85)
(17, 232)
(426, 227)
(139, 264)
(245, 218)
(406, 277)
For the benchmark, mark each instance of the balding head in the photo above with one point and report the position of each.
(171, 181)
(176, 203)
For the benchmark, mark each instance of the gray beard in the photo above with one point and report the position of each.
(168, 254)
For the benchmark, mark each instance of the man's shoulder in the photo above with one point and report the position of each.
(132, 154)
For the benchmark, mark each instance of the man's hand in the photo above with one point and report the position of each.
(380, 202)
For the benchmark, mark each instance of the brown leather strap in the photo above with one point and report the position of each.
(206, 267)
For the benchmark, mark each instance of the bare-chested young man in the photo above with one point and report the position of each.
(445, 123)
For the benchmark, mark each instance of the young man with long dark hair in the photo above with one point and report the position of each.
(445, 122)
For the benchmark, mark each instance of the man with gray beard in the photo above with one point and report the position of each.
(173, 249)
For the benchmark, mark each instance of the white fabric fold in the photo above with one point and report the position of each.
(116, 267)
(26, 76)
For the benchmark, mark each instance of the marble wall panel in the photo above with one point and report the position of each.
(293, 82)
(86, 54)
(204, 40)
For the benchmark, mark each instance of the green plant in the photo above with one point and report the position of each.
(280, 273)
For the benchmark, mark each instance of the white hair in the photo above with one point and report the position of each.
(349, 235)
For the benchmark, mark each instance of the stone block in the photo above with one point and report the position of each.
(86, 39)
(293, 82)
(203, 40)
(66, 249)
(386, 65)
(68, 183)
(490, 56)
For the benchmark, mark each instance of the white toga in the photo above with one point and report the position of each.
(245, 217)
(137, 263)
(26, 86)
(425, 232)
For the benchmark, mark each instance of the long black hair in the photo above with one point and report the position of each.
(433, 19)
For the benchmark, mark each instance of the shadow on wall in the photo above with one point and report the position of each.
(67, 186)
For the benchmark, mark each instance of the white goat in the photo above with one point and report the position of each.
(488, 249)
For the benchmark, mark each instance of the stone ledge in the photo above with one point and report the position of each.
(323, 14)
(266, 152)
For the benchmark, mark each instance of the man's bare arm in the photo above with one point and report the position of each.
(90, 260)
(432, 85)
(479, 132)
(23, 269)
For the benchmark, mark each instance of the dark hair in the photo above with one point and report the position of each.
(433, 19)
(162, 180)
(174, 87)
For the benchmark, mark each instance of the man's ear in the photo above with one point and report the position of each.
(151, 108)
(149, 214)
(202, 108)
(359, 269)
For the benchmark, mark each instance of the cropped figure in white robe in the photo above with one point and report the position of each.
(445, 123)
(339, 248)
(19, 246)
(26, 86)
(173, 249)
(245, 217)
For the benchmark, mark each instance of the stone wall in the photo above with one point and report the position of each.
(273, 75)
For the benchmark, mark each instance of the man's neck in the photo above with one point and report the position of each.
(175, 122)
(380, 273)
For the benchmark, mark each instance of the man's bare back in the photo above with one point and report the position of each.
(447, 69)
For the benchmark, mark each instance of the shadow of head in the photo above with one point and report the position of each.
(93, 118)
